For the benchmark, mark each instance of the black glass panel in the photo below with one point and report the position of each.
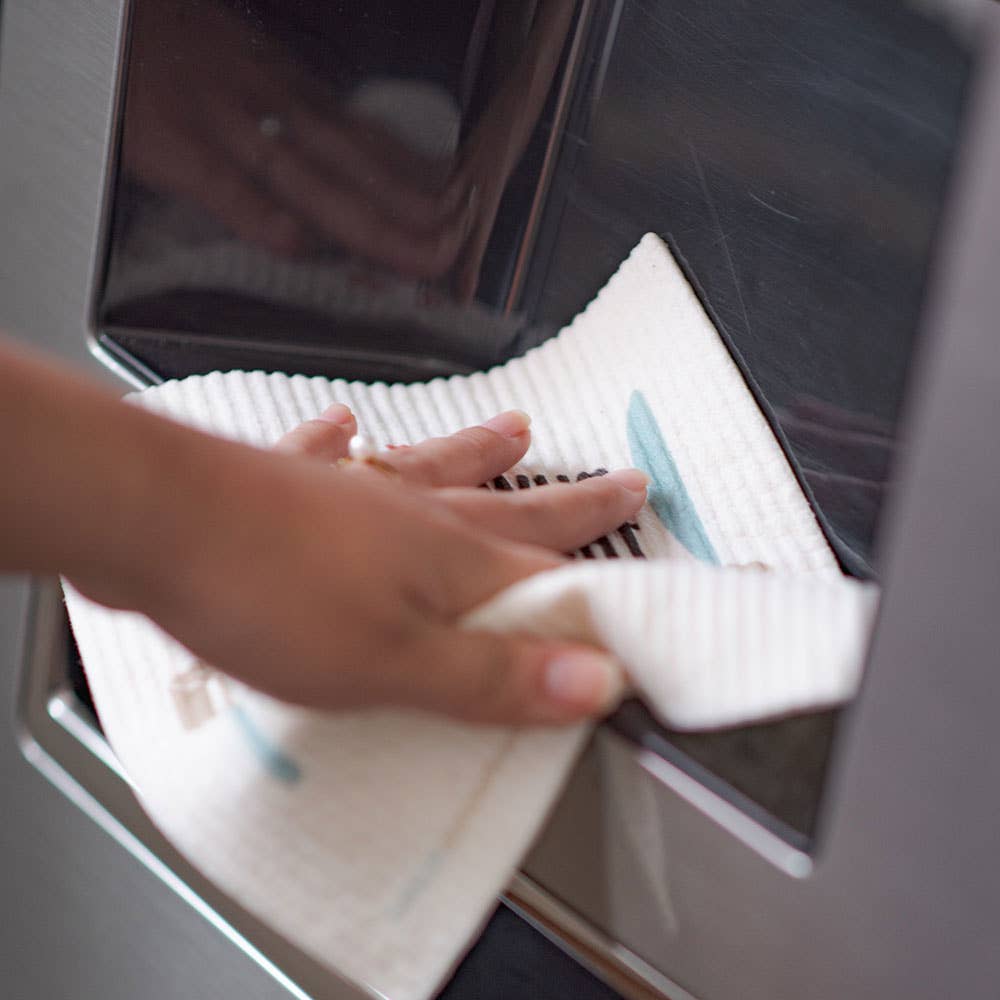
(399, 190)
(382, 190)
(332, 183)
(794, 154)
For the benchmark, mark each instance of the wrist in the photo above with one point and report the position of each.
(157, 513)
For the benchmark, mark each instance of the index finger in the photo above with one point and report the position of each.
(469, 457)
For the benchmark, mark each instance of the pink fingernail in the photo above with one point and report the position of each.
(337, 414)
(634, 480)
(511, 424)
(588, 681)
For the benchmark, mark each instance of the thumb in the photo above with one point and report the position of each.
(514, 680)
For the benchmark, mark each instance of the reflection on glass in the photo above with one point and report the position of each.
(397, 191)
(377, 136)
(359, 190)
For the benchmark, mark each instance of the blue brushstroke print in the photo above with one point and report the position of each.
(667, 494)
(277, 763)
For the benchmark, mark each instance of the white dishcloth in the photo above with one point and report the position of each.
(377, 842)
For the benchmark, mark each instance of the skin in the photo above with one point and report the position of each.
(322, 585)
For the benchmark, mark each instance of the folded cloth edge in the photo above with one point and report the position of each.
(802, 637)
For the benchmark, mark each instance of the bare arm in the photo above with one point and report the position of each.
(294, 575)
(85, 475)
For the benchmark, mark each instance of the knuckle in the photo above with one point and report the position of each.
(477, 442)
(494, 677)
(545, 510)
(402, 457)
(432, 467)
(516, 684)
(604, 495)
(319, 430)
(464, 454)
(310, 437)
(412, 462)
(315, 426)
(494, 694)
(293, 442)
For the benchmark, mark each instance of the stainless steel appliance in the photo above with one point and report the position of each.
(797, 156)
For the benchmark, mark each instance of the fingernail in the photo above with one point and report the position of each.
(511, 424)
(588, 681)
(634, 480)
(337, 414)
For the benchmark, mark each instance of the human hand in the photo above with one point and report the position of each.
(341, 587)
(320, 584)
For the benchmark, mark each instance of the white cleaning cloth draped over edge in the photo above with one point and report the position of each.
(378, 842)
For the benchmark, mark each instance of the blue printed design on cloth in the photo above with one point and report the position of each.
(667, 495)
(271, 757)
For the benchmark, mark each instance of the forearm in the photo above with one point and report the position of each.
(92, 487)
(327, 587)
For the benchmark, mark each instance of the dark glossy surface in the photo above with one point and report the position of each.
(511, 959)
(794, 154)
(378, 161)
(382, 191)
(905, 891)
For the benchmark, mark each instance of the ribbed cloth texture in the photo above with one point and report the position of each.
(385, 855)
(705, 646)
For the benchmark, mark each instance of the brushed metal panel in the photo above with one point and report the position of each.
(57, 66)
(82, 917)
(902, 893)
(902, 898)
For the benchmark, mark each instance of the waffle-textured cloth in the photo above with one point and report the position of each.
(377, 842)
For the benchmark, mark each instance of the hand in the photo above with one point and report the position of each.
(320, 584)
(341, 587)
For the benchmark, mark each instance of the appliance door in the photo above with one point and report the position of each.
(82, 916)
(96, 904)
(116, 929)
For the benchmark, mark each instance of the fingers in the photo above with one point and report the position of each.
(326, 437)
(559, 516)
(513, 680)
(469, 458)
